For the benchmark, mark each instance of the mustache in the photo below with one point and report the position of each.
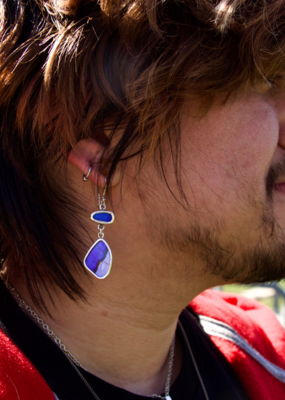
(276, 172)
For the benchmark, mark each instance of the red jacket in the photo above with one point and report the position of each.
(250, 337)
(246, 332)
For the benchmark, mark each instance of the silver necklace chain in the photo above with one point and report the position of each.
(74, 362)
(49, 332)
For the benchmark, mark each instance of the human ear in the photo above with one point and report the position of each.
(87, 153)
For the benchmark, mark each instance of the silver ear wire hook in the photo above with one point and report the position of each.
(102, 201)
(86, 177)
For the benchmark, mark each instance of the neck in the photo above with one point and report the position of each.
(124, 343)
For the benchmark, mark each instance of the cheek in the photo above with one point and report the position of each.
(226, 157)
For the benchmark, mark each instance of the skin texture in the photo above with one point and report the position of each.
(227, 228)
(237, 225)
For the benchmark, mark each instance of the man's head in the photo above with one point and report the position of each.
(178, 96)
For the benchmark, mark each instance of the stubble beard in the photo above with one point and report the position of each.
(238, 260)
(257, 262)
(235, 261)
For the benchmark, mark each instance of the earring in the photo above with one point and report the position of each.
(86, 177)
(98, 259)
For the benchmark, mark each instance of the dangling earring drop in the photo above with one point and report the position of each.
(98, 259)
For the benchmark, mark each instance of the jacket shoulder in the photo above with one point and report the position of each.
(250, 337)
(251, 319)
(19, 379)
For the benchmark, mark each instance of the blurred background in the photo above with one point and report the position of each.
(272, 294)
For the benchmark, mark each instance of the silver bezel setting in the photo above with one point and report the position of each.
(103, 222)
(89, 251)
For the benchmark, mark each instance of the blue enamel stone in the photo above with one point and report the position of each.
(99, 260)
(102, 217)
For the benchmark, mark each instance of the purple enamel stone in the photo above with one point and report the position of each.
(98, 260)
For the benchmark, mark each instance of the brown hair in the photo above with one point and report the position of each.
(68, 66)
